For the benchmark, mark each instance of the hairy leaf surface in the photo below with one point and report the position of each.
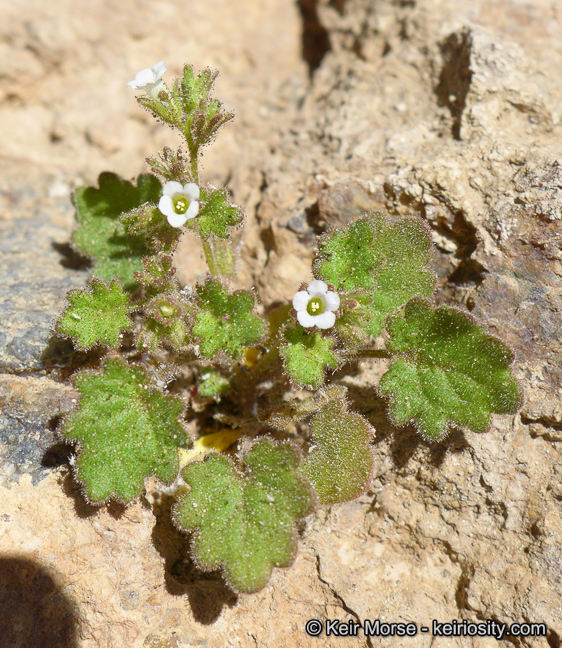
(126, 432)
(216, 215)
(448, 370)
(306, 356)
(244, 521)
(226, 321)
(388, 262)
(340, 463)
(96, 315)
(100, 235)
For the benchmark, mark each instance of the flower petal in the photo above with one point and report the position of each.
(166, 206)
(317, 287)
(176, 220)
(305, 319)
(172, 187)
(144, 77)
(325, 320)
(191, 190)
(332, 300)
(154, 88)
(159, 70)
(300, 300)
(192, 210)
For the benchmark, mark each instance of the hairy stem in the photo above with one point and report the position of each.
(220, 255)
(193, 151)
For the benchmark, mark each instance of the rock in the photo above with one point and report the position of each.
(30, 410)
(34, 284)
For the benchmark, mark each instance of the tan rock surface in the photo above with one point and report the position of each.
(442, 108)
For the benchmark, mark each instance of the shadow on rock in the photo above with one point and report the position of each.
(34, 611)
(70, 258)
(405, 440)
(57, 455)
(85, 509)
(60, 352)
(206, 591)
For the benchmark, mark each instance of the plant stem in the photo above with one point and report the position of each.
(193, 150)
(220, 255)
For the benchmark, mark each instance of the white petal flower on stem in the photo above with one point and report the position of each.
(179, 203)
(315, 306)
(150, 79)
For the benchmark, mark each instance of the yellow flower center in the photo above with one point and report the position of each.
(181, 203)
(315, 306)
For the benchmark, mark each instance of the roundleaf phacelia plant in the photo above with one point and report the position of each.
(241, 491)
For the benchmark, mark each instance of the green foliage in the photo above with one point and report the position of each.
(96, 315)
(190, 107)
(149, 222)
(340, 463)
(348, 259)
(353, 321)
(203, 115)
(126, 432)
(225, 321)
(306, 355)
(171, 165)
(448, 370)
(216, 216)
(212, 384)
(165, 308)
(165, 323)
(244, 521)
(100, 235)
(157, 275)
(286, 412)
(389, 262)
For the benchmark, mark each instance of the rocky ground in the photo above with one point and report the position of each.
(441, 108)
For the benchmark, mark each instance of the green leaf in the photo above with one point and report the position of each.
(155, 335)
(449, 370)
(348, 259)
(244, 521)
(216, 215)
(96, 315)
(340, 463)
(189, 107)
(126, 432)
(306, 356)
(100, 235)
(225, 321)
(195, 89)
(165, 107)
(389, 262)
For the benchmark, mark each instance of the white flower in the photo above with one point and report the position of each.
(315, 306)
(150, 79)
(179, 203)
